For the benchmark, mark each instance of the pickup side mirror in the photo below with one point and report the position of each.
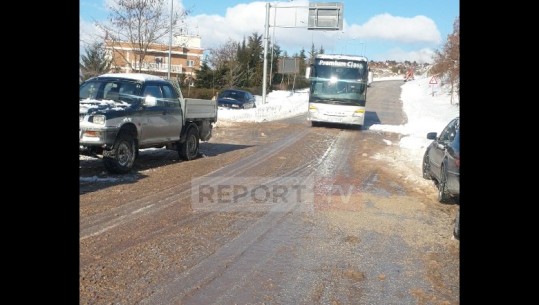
(150, 101)
(432, 135)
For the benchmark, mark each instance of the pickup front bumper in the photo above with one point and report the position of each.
(100, 137)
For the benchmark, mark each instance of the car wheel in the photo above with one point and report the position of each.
(426, 166)
(456, 228)
(443, 195)
(188, 150)
(120, 159)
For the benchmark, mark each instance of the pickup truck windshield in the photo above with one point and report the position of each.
(115, 90)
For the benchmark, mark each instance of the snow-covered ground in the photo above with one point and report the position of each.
(279, 105)
(427, 107)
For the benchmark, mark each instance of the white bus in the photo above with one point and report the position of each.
(338, 91)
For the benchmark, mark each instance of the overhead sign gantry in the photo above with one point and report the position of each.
(325, 16)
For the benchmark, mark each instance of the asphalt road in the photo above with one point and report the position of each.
(271, 213)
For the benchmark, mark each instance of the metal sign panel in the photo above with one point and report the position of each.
(325, 16)
(288, 66)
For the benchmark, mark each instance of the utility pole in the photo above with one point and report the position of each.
(335, 10)
(170, 39)
(266, 33)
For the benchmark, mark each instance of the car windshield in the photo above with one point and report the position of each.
(116, 90)
(237, 95)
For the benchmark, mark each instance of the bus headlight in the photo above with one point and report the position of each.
(313, 108)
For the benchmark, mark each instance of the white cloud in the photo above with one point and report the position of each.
(239, 21)
(88, 34)
(420, 56)
(244, 19)
(400, 29)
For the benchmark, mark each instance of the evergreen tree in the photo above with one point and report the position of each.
(255, 60)
(205, 77)
(95, 61)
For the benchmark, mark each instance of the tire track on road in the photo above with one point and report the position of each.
(100, 223)
(215, 270)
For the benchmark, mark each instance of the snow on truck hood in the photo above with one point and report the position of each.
(103, 105)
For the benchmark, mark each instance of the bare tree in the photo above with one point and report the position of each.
(137, 24)
(447, 60)
(224, 59)
(223, 55)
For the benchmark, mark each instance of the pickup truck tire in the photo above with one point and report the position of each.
(188, 150)
(120, 159)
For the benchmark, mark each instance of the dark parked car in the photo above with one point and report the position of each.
(233, 98)
(441, 161)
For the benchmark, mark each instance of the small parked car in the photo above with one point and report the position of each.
(234, 98)
(441, 161)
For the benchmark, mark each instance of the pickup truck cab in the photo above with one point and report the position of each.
(121, 113)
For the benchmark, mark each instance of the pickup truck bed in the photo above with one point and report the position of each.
(198, 108)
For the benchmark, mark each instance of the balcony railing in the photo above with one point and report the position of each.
(156, 67)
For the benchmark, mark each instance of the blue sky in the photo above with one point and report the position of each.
(381, 30)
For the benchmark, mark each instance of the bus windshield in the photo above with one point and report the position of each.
(338, 92)
(339, 82)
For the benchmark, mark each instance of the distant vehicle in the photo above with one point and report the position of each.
(441, 161)
(409, 75)
(338, 92)
(233, 98)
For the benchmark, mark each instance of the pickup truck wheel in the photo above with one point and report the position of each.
(120, 159)
(188, 150)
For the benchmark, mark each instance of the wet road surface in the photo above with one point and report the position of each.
(360, 232)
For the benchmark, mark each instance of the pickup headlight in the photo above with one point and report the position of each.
(99, 119)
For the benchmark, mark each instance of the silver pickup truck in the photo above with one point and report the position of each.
(122, 113)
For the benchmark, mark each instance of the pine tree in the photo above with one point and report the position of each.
(95, 61)
(205, 77)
